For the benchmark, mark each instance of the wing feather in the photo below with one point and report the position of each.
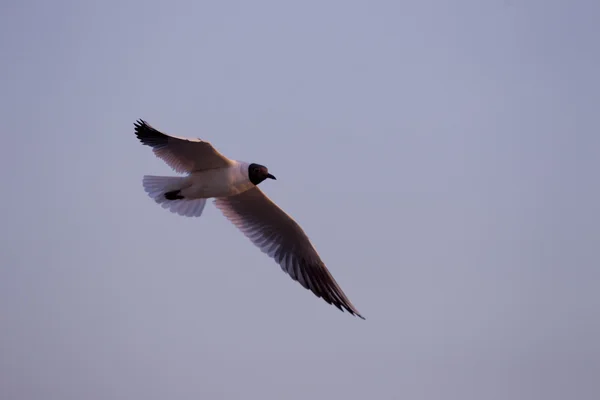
(279, 236)
(181, 154)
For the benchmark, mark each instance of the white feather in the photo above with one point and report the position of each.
(157, 186)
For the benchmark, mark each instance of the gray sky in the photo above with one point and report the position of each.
(441, 155)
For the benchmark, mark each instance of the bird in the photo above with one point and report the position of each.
(233, 186)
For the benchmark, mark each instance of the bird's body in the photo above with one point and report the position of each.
(234, 187)
(218, 182)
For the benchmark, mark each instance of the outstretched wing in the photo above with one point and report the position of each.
(279, 236)
(181, 154)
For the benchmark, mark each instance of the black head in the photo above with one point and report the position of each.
(258, 173)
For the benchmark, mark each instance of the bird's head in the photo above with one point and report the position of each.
(258, 173)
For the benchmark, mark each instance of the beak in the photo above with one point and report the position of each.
(271, 177)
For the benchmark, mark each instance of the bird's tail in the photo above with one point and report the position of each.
(166, 191)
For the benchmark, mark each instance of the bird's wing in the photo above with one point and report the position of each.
(181, 154)
(279, 236)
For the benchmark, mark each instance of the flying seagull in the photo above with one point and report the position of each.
(234, 186)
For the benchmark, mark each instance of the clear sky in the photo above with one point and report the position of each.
(441, 155)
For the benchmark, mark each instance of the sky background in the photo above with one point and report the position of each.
(441, 155)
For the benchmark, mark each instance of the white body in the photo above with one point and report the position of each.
(221, 182)
(198, 186)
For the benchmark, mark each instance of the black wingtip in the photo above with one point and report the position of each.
(148, 135)
(140, 126)
(354, 313)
